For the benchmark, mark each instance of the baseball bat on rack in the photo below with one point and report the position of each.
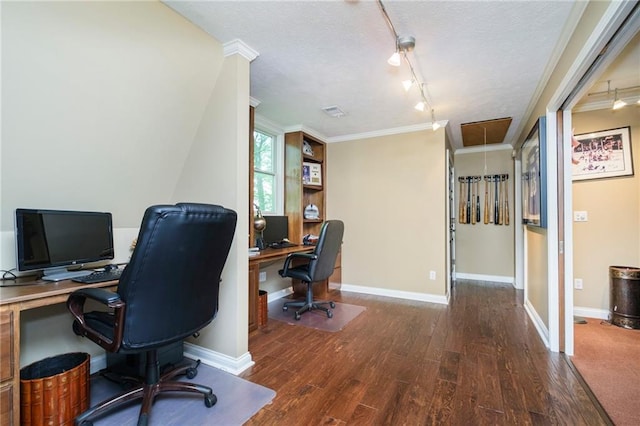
(461, 206)
(506, 200)
(472, 180)
(478, 198)
(486, 202)
(496, 209)
(468, 216)
(500, 200)
(491, 210)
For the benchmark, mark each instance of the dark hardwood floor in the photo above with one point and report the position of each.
(478, 361)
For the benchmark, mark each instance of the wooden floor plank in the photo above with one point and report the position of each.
(477, 361)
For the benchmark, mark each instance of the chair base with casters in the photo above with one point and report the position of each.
(309, 304)
(153, 385)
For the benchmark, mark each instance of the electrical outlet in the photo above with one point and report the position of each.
(263, 277)
(580, 216)
(432, 275)
(577, 283)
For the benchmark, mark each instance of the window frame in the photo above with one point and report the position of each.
(263, 126)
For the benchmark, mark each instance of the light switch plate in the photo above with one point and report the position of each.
(580, 216)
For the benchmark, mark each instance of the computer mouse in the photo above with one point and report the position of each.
(110, 268)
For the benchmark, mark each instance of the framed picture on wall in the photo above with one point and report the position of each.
(602, 154)
(534, 176)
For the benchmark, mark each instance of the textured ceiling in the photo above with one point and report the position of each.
(481, 60)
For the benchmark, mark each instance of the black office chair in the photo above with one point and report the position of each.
(167, 292)
(317, 266)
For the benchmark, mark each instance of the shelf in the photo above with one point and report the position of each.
(312, 159)
(313, 187)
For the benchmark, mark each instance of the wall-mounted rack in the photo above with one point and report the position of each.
(496, 199)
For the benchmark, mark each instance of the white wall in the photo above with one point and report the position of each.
(112, 106)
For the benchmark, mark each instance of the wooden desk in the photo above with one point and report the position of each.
(266, 255)
(14, 300)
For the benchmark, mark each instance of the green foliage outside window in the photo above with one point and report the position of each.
(264, 176)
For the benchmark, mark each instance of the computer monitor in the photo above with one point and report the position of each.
(52, 240)
(277, 229)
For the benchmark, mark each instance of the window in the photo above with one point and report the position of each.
(265, 173)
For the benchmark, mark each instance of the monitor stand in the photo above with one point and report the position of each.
(61, 274)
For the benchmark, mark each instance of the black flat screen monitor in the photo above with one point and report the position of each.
(52, 240)
(277, 229)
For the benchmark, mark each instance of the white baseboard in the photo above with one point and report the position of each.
(480, 277)
(398, 294)
(279, 294)
(97, 363)
(543, 331)
(215, 359)
(591, 312)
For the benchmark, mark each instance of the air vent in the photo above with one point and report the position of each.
(334, 111)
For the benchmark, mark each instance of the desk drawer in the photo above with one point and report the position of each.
(6, 345)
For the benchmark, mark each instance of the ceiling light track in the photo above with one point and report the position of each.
(403, 45)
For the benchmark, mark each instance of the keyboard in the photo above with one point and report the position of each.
(100, 276)
(282, 244)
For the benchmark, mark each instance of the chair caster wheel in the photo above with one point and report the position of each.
(285, 308)
(329, 314)
(297, 316)
(210, 400)
(333, 305)
(191, 373)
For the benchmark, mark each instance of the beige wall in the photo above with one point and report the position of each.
(611, 236)
(391, 193)
(485, 249)
(536, 240)
(115, 106)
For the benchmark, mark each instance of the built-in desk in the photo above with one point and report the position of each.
(14, 300)
(266, 255)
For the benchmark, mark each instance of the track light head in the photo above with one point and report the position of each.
(394, 60)
(419, 106)
(406, 43)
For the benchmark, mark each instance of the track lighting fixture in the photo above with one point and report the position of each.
(618, 103)
(404, 45)
(394, 60)
(630, 95)
(434, 124)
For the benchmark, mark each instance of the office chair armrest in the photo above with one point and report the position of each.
(291, 256)
(75, 304)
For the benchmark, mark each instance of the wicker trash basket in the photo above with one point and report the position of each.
(263, 310)
(55, 390)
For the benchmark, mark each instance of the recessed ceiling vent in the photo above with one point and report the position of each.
(334, 111)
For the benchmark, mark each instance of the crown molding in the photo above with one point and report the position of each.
(239, 47)
(484, 148)
(387, 132)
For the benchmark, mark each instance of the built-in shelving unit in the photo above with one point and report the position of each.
(301, 148)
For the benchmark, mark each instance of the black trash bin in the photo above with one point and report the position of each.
(624, 296)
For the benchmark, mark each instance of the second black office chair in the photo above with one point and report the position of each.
(315, 267)
(168, 291)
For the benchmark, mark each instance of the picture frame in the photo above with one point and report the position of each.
(312, 173)
(533, 154)
(602, 154)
